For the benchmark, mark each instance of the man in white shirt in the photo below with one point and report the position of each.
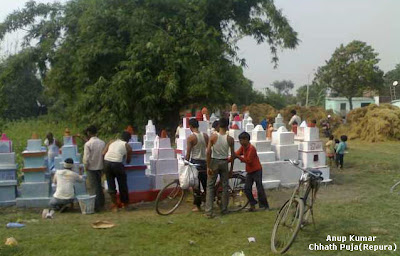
(93, 161)
(295, 117)
(65, 194)
(114, 154)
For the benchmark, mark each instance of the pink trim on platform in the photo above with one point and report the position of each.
(134, 167)
(138, 152)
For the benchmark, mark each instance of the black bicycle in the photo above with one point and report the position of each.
(296, 212)
(172, 195)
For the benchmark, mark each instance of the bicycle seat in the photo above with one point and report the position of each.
(315, 172)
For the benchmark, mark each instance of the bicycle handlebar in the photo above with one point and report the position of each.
(296, 164)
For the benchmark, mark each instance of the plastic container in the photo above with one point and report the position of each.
(86, 203)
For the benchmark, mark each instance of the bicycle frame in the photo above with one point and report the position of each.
(303, 179)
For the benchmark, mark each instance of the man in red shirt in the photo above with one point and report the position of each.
(248, 154)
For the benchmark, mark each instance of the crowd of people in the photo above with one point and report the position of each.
(211, 154)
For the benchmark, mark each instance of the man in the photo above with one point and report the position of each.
(196, 154)
(114, 154)
(248, 154)
(217, 163)
(295, 117)
(93, 161)
(180, 126)
(64, 195)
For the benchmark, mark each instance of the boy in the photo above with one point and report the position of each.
(248, 154)
(340, 151)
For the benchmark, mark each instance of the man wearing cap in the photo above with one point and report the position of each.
(65, 194)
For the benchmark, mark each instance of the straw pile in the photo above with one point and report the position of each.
(372, 123)
(260, 111)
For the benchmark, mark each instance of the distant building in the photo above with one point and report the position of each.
(341, 106)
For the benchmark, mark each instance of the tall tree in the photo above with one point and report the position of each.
(390, 77)
(20, 87)
(115, 61)
(351, 70)
(316, 94)
(283, 87)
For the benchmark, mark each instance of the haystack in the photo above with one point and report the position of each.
(260, 111)
(312, 113)
(373, 123)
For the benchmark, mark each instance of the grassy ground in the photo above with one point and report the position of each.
(358, 203)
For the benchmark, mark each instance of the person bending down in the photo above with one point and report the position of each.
(64, 195)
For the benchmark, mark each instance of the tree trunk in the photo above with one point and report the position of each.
(351, 103)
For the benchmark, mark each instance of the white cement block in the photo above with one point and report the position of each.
(286, 152)
(325, 173)
(163, 153)
(281, 170)
(266, 157)
(310, 145)
(238, 123)
(271, 184)
(261, 146)
(162, 142)
(148, 144)
(7, 158)
(164, 166)
(312, 159)
(150, 127)
(311, 134)
(282, 138)
(249, 127)
(181, 144)
(150, 136)
(160, 181)
(34, 145)
(234, 133)
(258, 135)
(184, 133)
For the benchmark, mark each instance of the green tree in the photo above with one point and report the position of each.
(389, 78)
(351, 70)
(316, 95)
(20, 87)
(277, 100)
(283, 87)
(111, 62)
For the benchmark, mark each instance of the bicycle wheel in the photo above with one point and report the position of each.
(169, 198)
(287, 225)
(237, 198)
(395, 189)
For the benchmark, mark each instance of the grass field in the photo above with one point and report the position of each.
(357, 203)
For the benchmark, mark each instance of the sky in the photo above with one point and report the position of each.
(322, 25)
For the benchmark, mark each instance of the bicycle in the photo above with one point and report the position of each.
(172, 195)
(395, 188)
(296, 212)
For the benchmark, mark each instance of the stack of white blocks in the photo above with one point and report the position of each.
(283, 145)
(181, 143)
(278, 122)
(311, 152)
(163, 163)
(148, 141)
(248, 124)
